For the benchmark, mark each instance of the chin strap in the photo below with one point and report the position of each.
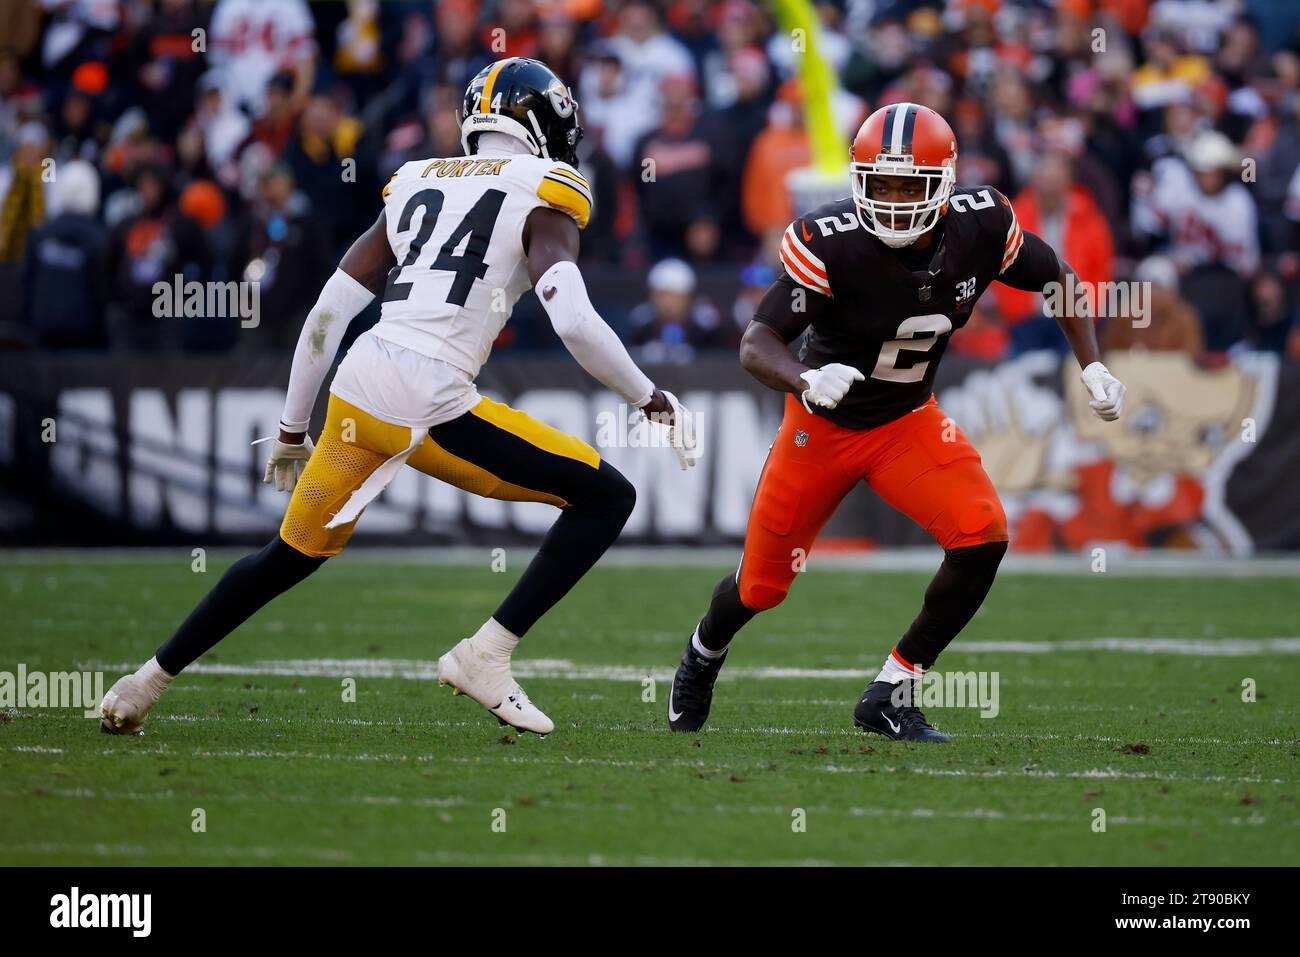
(537, 131)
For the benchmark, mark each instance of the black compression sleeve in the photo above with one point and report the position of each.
(1034, 268)
(789, 308)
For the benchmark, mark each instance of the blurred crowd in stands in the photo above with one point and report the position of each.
(249, 140)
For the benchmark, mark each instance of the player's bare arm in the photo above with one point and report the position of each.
(765, 354)
(1107, 392)
(1034, 260)
(369, 259)
(1077, 326)
(782, 316)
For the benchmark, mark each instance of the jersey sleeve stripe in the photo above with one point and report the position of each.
(813, 264)
(1011, 256)
(1015, 238)
(801, 277)
(567, 197)
(559, 171)
(800, 274)
(1013, 251)
(582, 188)
(792, 258)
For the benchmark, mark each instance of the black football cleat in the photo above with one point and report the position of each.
(877, 712)
(692, 691)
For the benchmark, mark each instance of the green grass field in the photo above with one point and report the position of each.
(287, 772)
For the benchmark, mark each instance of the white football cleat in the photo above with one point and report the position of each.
(487, 679)
(126, 705)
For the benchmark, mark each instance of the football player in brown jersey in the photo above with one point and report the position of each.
(876, 284)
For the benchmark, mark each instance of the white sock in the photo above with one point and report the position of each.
(495, 640)
(706, 652)
(895, 671)
(154, 677)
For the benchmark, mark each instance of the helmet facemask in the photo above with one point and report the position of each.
(901, 224)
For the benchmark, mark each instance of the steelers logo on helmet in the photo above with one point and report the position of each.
(522, 98)
(561, 99)
(903, 140)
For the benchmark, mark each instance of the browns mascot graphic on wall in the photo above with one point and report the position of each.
(1157, 480)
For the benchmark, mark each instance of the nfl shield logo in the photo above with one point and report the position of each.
(801, 438)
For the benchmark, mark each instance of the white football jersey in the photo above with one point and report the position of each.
(456, 227)
(1201, 228)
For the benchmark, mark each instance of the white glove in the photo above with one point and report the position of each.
(287, 462)
(1107, 392)
(682, 435)
(828, 385)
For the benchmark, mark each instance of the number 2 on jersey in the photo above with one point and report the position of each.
(932, 327)
(468, 266)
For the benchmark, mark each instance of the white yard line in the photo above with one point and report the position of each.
(561, 668)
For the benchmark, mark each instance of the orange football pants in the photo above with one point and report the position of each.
(920, 464)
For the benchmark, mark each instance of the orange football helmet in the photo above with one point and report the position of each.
(903, 139)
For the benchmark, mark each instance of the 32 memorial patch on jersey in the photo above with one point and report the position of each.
(890, 312)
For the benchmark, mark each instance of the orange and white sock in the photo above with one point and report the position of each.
(897, 668)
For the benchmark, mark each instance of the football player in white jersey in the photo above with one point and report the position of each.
(459, 240)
